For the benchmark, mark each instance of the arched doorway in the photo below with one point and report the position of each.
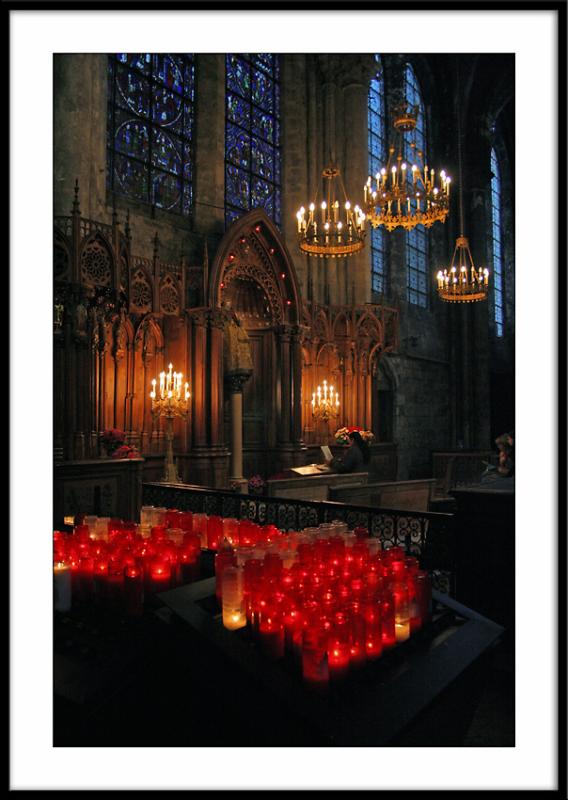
(253, 276)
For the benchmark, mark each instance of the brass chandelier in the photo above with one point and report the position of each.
(335, 229)
(461, 282)
(406, 192)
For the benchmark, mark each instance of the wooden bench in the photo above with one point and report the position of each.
(405, 495)
(315, 487)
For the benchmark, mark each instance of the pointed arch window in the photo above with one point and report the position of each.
(252, 135)
(497, 244)
(150, 128)
(377, 157)
(417, 250)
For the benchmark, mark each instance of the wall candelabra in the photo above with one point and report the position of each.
(169, 402)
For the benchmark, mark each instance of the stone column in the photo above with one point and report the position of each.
(355, 161)
(235, 382)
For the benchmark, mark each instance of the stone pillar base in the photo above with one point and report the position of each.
(239, 485)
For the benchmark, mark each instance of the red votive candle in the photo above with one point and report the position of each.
(339, 646)
(100, 575)
(186, 521)
(85, 584)
(315, 667)
(159, 574)
(293, 619)
(387, 620)
(189, 562)
(373, 630)
(271, 631)
(231, 530)
(214, 532)
(172, 518)
(361, 532)
(252, 576)
(224, 558)
(357, 639)
(158, 533)
(133, 590)
(200, 527)
(272, 565)
(115, 581)
(424, 594)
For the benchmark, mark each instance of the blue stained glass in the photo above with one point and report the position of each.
(131, 177)
(262, 160)
(132, 92)
(169, 71)
(168, 108)
(496, 237)
(376, 159)
(264, 60)
(238, 75)
(237, 146)
(131, 138)
(238, 187)
(151, 121)
(262, 94)
(261, 194)
(238, 110)
(166, 190)
(140, 61)
(187, 198)
(166, 152)
(263, 125)
(252, 135)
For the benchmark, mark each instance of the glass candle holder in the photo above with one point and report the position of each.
(424, 594)
(231, 530)
(373, 630)
(387, 620)
(100, 575)
(159, 574)
(234, 616)
(223, 559)
(133, 590)
(158, 516)
(200, 527)
(186, 521)
(271, 631)
(61, 586)
(315, 667)
(172, 518)
(175, 535)
(146, 515)
(214, 532)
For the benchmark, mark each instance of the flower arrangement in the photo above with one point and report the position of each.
(342, 434)
(256, 485)
(126, 451)
(506, 446)
(112, 439)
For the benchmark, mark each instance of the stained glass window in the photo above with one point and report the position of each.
(252, 135)
(497, 244)
(150, 127)
(377, 159)
(416, 239)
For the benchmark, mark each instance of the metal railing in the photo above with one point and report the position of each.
(427, 535)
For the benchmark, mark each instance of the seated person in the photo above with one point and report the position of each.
(356, 458)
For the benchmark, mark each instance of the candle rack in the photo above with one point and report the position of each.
(172, 401)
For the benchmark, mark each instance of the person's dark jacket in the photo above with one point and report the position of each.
(352, 461)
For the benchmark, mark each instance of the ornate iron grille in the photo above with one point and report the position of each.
(427, 535)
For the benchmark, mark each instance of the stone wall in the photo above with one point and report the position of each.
(447, 356)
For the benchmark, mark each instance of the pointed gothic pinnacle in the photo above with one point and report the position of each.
(76, 209)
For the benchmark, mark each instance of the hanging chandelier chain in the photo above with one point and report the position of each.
(459, 126)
